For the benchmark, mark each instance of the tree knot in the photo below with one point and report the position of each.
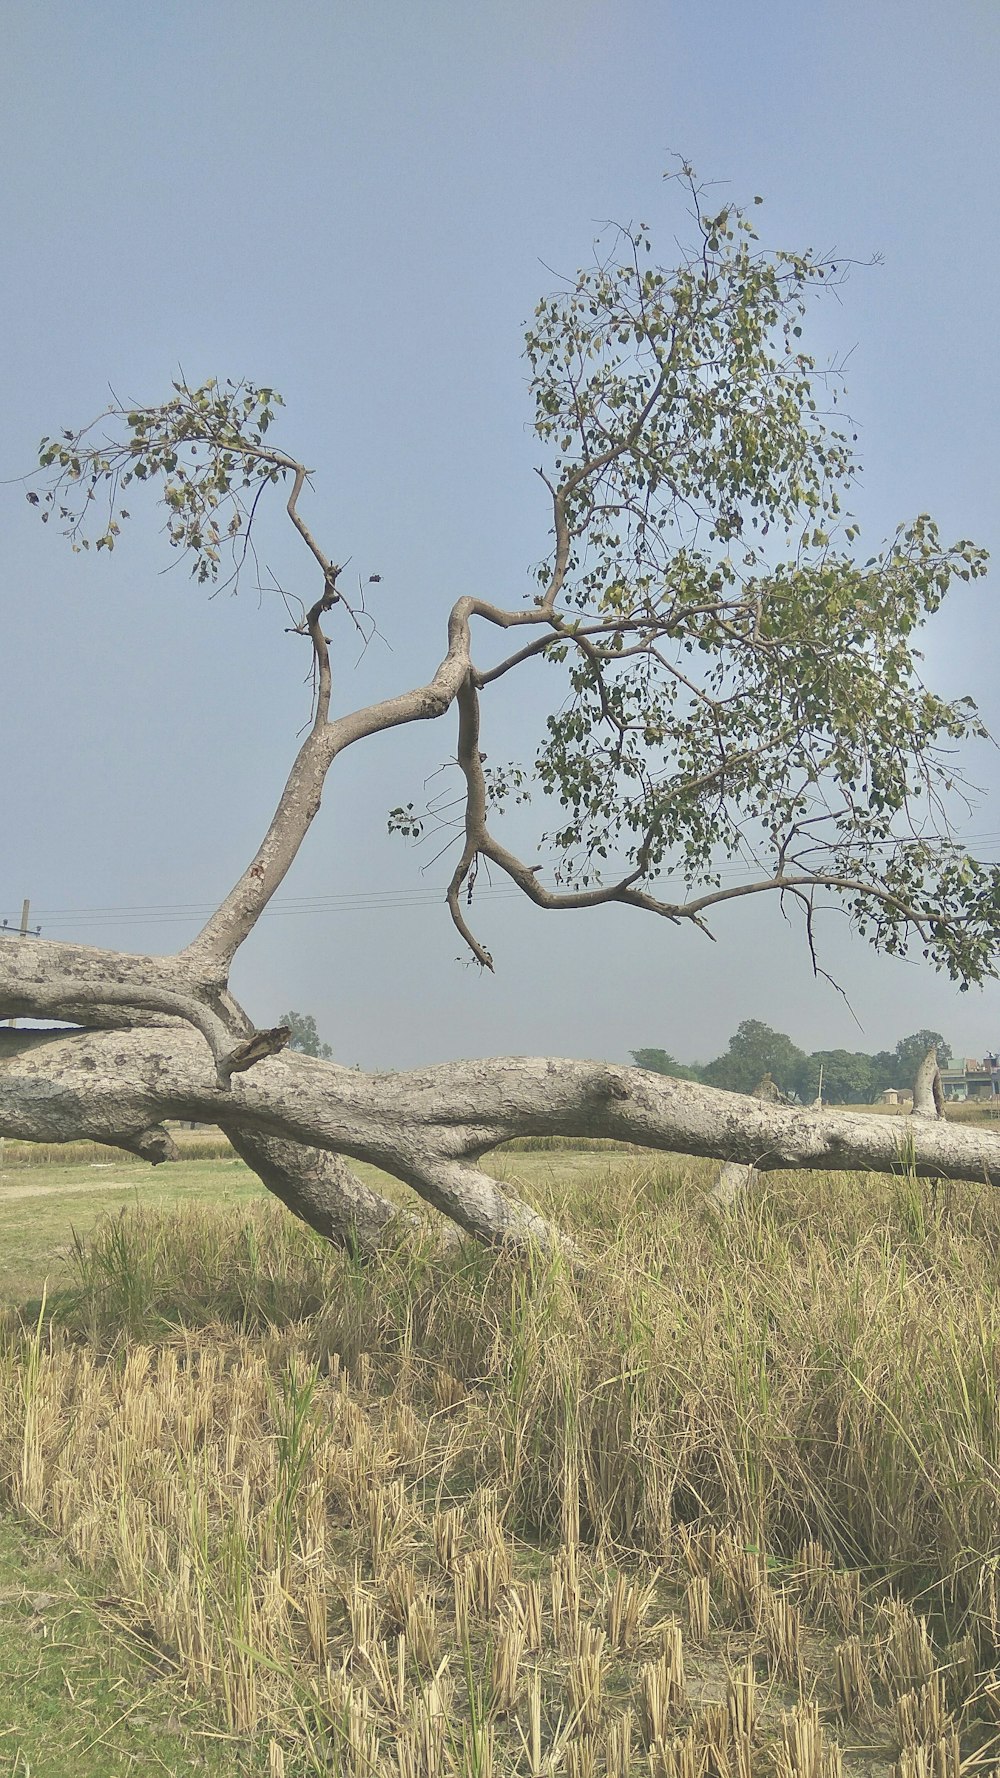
(611, 1086)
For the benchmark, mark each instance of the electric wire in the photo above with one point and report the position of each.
(302, 906)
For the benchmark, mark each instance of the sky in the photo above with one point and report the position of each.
(360, 205)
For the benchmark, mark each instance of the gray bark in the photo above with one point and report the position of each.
(320, 1188)
(928, 1100)
(430, 1127)
(732, 1179)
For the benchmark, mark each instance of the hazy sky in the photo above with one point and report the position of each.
(357, 203)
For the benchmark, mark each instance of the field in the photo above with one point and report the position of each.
(726, 1501)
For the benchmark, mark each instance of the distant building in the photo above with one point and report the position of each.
(897, 1096)
(976, 1077)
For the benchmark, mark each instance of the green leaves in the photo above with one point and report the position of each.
(205, 447)
(405, 821)
(746, 690)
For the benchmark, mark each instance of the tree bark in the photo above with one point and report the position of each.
(732, 1179)
(928, 1099)
(320, 1188)
(430, 1127)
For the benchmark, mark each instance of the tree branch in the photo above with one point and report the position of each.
(471, 765)
(321, 1189)
(429, 1128)
(211, 953)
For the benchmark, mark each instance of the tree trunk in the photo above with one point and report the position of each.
(429, 1128)
(321, 1189)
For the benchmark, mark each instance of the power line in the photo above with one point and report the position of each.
(349, 901)
(353, 901)
(297, 907)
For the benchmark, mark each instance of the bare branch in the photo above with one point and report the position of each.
(470, 761)
(563, 544)
(301, 475)
(216, 945)
(255, 1048)
(321, 1189)
(68, 999)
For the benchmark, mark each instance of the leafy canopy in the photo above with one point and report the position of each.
(204, 446)
(910, 1052)
(849, 1077)
(740, 693)
(662, 1062)
(755, 1050)
(755, 693)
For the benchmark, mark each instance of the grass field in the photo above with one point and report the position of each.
(82, 1693)
(725, 1502)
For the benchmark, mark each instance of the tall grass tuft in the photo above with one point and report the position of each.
(821, 1362)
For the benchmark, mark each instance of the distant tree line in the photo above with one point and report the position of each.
(850, 1077)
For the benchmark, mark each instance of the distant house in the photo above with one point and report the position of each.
(974, 1078)
(897, 1096)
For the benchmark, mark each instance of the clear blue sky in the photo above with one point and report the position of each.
(354, 203)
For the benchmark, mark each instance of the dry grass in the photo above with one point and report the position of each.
(728, 1502)
(81, 1697)
(204, 1144)
(209, 1144)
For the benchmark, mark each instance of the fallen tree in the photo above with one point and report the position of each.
(733, 685)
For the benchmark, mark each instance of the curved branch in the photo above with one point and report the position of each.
(321, 1189)
(563, 540)
(66, 999)
(470, 762)
(527, 879)
(301, 475)
(478, 840)
(810, 880)
(212, 951)
(92, 995)
(39, 979)
(479, 1204)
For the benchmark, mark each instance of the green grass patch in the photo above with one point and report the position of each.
(82, 1695)
(46, 1209)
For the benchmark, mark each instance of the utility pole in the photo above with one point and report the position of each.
(25, 911)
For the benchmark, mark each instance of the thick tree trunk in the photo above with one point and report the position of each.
(321, 1189)
(429, 1128)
